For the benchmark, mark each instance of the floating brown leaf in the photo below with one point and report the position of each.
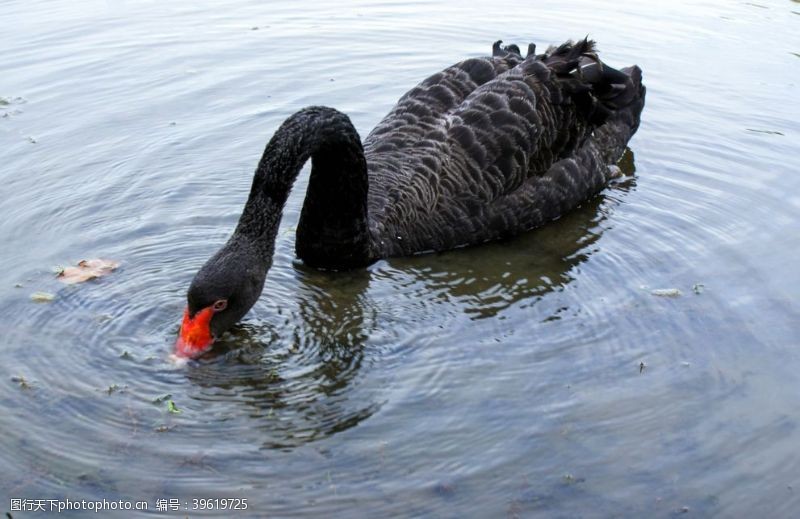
(86, 270)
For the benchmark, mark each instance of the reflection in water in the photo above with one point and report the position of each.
(298, 387)
(489, 278)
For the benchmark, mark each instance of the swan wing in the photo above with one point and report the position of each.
(495, 146)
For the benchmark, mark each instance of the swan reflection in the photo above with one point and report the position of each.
(482, 281)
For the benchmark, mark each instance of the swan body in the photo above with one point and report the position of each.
(487, 148)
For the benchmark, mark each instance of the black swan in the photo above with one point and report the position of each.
(485, 149)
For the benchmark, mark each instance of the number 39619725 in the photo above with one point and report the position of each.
(219, 504)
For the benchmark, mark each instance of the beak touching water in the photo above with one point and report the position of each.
(195, 336)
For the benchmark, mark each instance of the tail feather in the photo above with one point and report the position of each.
(597, 89)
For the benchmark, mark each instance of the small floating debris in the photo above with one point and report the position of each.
(569, 479)
(18, 285)
(698, 288)
(5, 101)
(20, 380)
(86, 270)
(686, 364)
(642, 365)
(114, 388)
(666, 292)
(31, 140)
(172, 408)
(163, 428)
(254, 28)
(42, 297)
(768, 132)
(162, 398)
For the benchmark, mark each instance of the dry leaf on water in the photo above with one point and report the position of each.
(86, 270)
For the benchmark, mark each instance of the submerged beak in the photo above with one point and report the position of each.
(195, 336)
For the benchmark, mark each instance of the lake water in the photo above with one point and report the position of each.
(537, 377)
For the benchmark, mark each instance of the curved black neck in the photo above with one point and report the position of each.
(332, 231)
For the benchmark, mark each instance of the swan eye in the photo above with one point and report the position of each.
(220, 305)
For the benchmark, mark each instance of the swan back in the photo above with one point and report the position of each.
(476, 151)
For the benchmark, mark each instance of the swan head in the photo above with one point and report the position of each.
(221, 293)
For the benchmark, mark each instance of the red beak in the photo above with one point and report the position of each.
(195, 336)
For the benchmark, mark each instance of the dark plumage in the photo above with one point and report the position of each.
(487, 148)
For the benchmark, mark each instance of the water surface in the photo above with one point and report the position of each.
(534, 377)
